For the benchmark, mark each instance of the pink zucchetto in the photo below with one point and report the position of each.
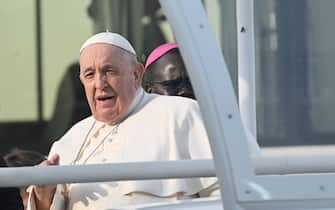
(159, 52)
(109, 38)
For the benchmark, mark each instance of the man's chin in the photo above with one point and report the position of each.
(106, 117)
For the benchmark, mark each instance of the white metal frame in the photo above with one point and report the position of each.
(246, 63)
(210, 79)
(209, 75)
(243, 189)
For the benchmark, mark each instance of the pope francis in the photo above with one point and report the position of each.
(127, 125)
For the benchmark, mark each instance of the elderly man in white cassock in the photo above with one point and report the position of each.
(126, 125)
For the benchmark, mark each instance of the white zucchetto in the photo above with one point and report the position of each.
(109, 38)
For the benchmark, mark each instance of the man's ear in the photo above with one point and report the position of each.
(80, 76)
(138, 74)
(81, 79)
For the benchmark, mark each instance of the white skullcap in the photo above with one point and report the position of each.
(109, 38)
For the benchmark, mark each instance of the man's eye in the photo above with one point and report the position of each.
(111, 72)
(88, 75)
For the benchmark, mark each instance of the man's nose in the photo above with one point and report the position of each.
(100, 82)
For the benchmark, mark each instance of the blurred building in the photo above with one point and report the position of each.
(41, 95)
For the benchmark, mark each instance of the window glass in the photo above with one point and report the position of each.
(295, 59)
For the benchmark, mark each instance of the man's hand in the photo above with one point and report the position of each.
(44, 193)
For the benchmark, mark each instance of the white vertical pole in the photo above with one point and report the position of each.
(210, 79)
(246, 63)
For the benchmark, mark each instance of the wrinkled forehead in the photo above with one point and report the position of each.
(101, 53)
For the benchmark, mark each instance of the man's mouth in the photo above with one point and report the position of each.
(104, 98)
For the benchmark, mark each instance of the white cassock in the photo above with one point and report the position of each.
(157, 128)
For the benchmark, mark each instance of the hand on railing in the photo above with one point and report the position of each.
(44, 193)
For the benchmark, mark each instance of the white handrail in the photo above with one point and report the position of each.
(296, 160)
(23, 176)
(288, 160)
